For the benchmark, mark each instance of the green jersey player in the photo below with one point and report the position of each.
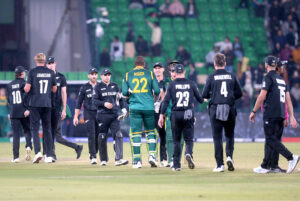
(139, 85)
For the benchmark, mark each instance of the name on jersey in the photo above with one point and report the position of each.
(279, 81)
(182, 86)
(109, 94)
(222, 77)
(15, 86)
(139, 73)
(43, 75)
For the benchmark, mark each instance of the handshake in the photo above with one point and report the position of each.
(123, 115)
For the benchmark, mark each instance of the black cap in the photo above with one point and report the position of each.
(105, 71)
(158, 64)
(174, 62)
(93, 70)
(20, 69)
(179, 68)
(271, 61)
(50, 59)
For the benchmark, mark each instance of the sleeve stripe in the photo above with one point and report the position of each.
(127, 76)
(151, 74)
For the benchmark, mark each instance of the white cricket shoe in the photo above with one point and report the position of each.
(176, 169)
(137, 165)
(121, 162)
(152, 161)
(261, 170)
(28, 154)
(103, 163)
(93, 161)
(230, 163)
(170, 164)
(163, 163)
(16, 160)
(48, 159)
(37, 158)
(219, 169)
(191, 163)
(292, 164)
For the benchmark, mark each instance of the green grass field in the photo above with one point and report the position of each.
(71, 179)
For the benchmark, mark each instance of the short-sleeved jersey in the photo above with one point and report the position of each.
(57, 97)
(139, 85)
(42, 80)
(182, 93)
(222, 87)
(274, 104)
(85, 96)
(107, 93)
(17, 98)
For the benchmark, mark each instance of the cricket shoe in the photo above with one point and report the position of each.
(15, 160)
(137, 164)
(277, 170)
(176, 169)
(190, 161)
(121, 162)
(103, 163)
(78, 151)
(261, 170)
(170, 164)
(28, 154)
(292, 164)
(230, 163)
(152, 161)
(93, 161)
(164, 163)
(219, 169)
(37, 158)
(48, 159)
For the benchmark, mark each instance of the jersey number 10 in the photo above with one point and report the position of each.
(16, 97)
(43, 86)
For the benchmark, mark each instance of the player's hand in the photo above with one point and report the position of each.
(8, 117)
(161, 121)
(75, 121)
(205, 100)
(286, 123)
(252, 117)
(26, 113)
(63, 115)
(123, 115)
(108, 105)
(293, 122)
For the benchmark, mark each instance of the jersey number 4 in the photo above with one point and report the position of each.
(43, 86)
(182, 95)
(224, 91)
(143, 81)
(16, 97)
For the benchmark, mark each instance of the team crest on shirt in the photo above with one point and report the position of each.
(112, 87)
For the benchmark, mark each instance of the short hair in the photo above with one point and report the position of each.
(40, 58)
(220, 60)
(139, 61)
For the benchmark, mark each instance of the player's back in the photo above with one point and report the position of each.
(41, 79)
(274, 105)
(142, 83)
(222, 87)
(16, 93)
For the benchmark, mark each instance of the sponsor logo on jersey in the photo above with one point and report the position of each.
(222, 77)
(103, 89)
(109, 94)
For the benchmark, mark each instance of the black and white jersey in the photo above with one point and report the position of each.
(222, 87)
(108, 93)
(274, 104)
(42, 80)
(17, 98)
(182, 93)
(85, 96)
(57, 97)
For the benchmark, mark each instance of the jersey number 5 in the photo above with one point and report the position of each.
(180, 95)
(224, 91)
(43, 86)
(143, 81)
